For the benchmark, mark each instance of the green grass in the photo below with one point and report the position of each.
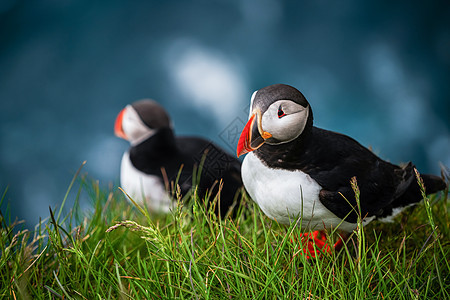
(117, 251)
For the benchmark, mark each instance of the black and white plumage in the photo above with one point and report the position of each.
(294, 169)
(156, 156)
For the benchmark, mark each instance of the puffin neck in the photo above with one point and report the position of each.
(160, 143)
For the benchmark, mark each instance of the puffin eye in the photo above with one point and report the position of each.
(280, 112)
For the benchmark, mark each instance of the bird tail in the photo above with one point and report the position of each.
(412, 194)
(409, 189)
(433, 183)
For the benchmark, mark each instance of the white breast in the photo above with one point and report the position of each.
(285, 196)
(144, 188)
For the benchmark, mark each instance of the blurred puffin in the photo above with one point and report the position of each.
(294, 169)
(153, 162)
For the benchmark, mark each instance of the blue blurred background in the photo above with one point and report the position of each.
(378, 71)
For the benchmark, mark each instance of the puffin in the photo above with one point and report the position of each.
(295, 171)
(158, 162)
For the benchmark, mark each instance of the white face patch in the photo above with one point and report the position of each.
(285, 120)
(251, 103)
(134, 128)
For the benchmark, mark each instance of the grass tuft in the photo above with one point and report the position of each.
(121, 251)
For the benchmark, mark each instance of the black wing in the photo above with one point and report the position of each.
(217, 167)
(379, 182)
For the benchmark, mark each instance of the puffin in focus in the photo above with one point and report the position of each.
(293, 169)
(157, 159)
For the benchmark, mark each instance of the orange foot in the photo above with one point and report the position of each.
(315, 243)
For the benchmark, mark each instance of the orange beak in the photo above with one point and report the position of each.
(252, 136)
(118, 130)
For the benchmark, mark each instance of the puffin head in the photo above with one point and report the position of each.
(279, 114)
(140, 120)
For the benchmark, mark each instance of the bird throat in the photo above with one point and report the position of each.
(290, 156)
